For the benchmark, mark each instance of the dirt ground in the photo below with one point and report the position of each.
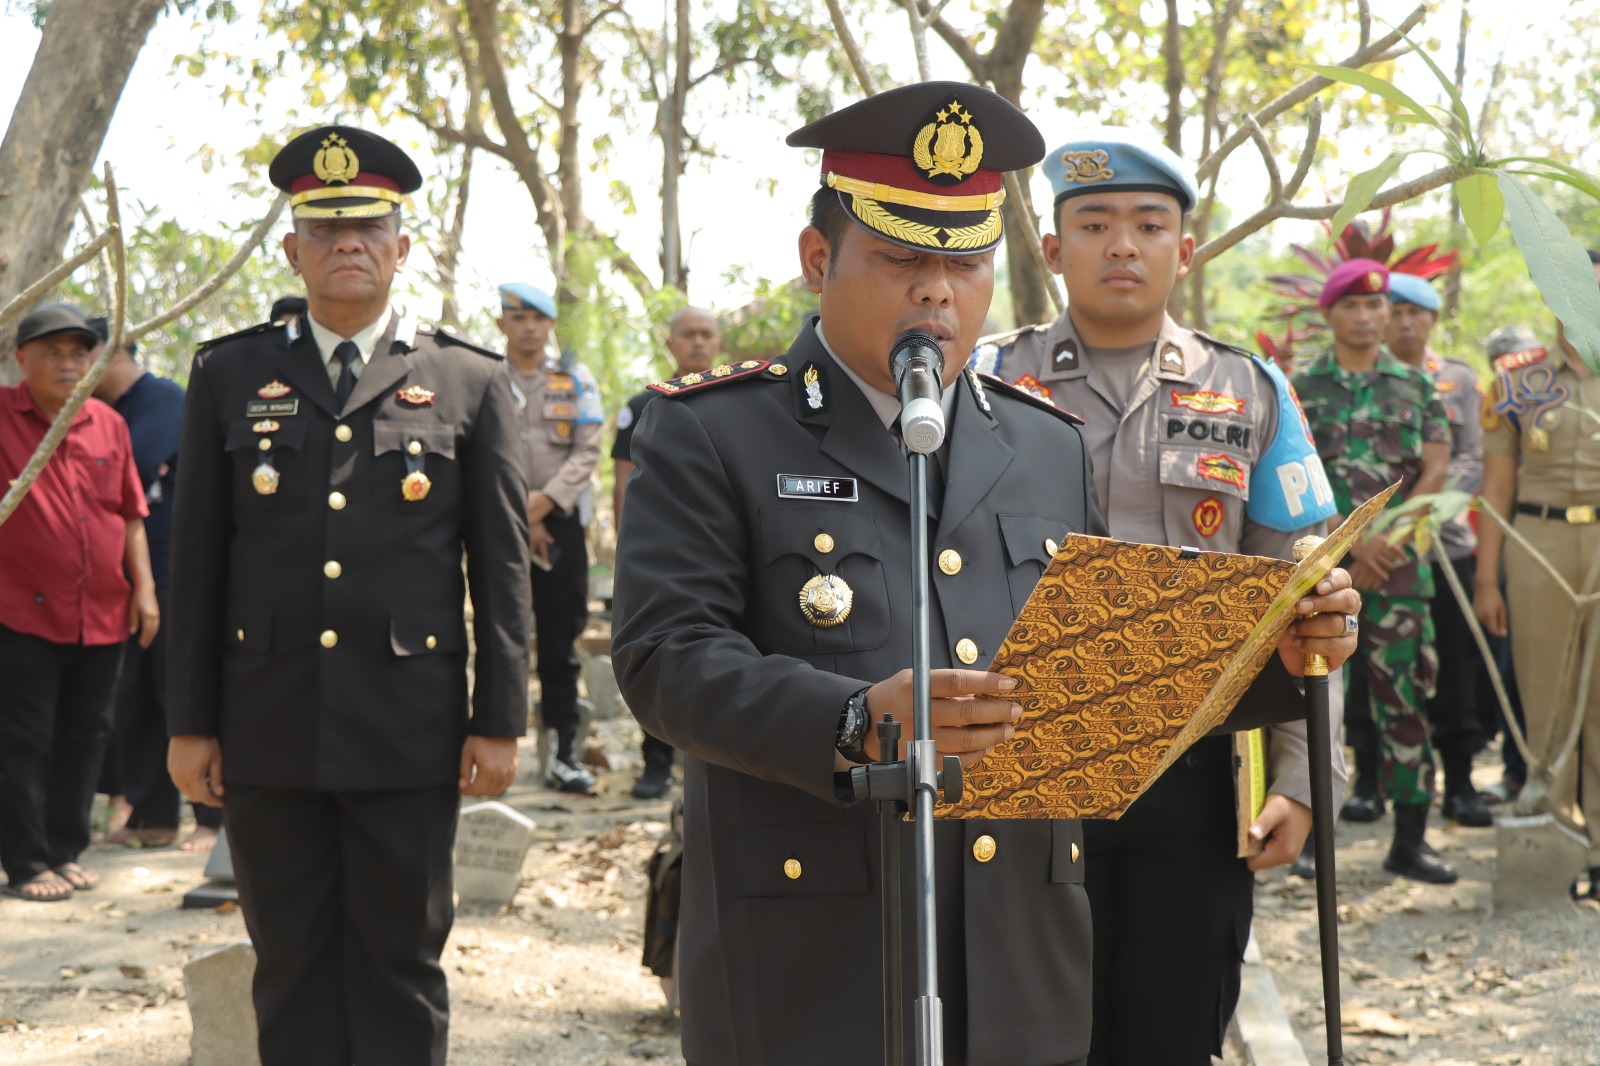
(555, 979)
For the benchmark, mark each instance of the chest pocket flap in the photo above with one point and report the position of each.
(430, 437)
(1025, 536)
(792, 543)
(243, 433)
(1205, 468)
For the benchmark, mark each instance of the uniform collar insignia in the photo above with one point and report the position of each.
(1171, 358)
(405, 330)
(813, 379)
(1064, 356)
(292, 330)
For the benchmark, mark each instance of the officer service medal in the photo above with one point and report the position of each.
(265, 478)
(826, 600)
(415, 486)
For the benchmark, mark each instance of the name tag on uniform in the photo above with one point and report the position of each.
(801, 487)
(258, 408)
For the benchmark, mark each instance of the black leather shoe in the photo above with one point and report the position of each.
(1467, 808)
(654, 780)
(1305, 866)
(1407, 855)
(566, 775)
(1362, 807)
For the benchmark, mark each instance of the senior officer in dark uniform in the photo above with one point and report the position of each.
(1193, 442)
(761, 618)
(336, 468)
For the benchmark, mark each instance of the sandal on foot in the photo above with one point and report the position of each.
(46, 888)
(80, 879)
(140, 838)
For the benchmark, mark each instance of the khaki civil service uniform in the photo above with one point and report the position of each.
(1560, 470)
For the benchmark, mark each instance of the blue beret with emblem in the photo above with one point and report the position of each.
(1114, 159)
(1410, 289)
(520, 296)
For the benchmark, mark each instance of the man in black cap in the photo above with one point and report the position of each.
(335, 470)
(762, 626)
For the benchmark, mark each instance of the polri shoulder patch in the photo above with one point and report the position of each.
(743, 370)
(1000, 387)
(264, 327)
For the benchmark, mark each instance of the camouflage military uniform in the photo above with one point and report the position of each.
(1370, 428)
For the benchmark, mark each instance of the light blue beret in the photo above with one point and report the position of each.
(1114, 159)
(1410, 289)
(520, 296)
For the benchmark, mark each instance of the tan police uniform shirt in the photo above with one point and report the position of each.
(1173, 466)
(559, 451)
(1462, 396)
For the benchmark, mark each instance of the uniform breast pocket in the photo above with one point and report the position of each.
(1030, 542)
(414, 466)
(1213, 470)
(262, 448)
(1396, 432)
(821, 589)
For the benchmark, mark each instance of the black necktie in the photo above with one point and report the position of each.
(347, 353)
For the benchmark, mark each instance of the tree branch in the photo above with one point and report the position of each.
(1275, 193)
(24, 299)
(609, 9)
(245, 250)
(1309, 154)
(852, 51)
(964, 49)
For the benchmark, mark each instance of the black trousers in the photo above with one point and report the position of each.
(1453, 713)
(55, 712)
(347, 897)
(560, 609)
(135, 765)
(1172, 905)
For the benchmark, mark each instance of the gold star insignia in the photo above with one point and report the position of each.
(944, 113)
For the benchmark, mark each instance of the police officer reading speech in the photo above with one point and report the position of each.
(336, 467)
(762, 622)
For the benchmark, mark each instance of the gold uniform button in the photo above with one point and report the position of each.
(1051, 547)
(336, 500)
(432, 642)
(823, 543)
(414, 448)
(329, 638)
(966, 651)
(950, 561)
(240, 635)
(342, 433)
(791, 869)
(265, 444)
(1075, 853)
(983, 848)
(332, 569)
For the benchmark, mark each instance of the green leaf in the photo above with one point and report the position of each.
(1481, 205)
(1363, 187)
(1456, 103)
(1378, 87)
(1558, 265)
(1570, 174)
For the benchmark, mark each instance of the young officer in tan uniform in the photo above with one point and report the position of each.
(559, 420)
(1194, 443)
(1531, 418)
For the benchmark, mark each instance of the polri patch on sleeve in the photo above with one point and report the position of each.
(817, 487)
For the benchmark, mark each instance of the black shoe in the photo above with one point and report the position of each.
(1305, 866)
(1407, 856)
(655, 779)
(1594, 886)
(566, 775)
(1362, 806)
(1467, 808)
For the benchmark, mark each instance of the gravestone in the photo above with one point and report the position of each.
(220, 1010)
(1537, 859)
(491, 842)
(219, 887)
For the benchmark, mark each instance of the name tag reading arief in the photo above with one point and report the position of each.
(801, 487)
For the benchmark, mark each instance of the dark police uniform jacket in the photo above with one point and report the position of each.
(715, 657)
(319, 630)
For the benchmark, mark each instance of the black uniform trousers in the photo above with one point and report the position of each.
(55, 712)
(560, 609)
(1453, 713)
(135, 765)
(348, 900)
(1169, 897)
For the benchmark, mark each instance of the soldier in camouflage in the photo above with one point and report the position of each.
(1376, 421)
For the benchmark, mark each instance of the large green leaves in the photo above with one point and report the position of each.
(1558, 265)
(1378, 87)
(1363, 187)
(1481, 204)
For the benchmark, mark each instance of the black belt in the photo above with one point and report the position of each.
(1584, 514)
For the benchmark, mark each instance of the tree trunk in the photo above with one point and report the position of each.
(1013, 45)
(83, 63)
(1172, 56)
(569, 172)
(673, 270)
(450, 247)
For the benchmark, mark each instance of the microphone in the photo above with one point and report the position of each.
(917, 366)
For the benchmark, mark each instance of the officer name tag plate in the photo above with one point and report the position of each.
(258, 408)
(804, 487)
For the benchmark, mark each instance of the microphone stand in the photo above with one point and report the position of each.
(1319, 752)
(913, 783)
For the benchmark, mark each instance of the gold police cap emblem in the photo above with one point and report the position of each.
(949, 149)
(335, 162)
(415, 486)
(265, 479)
(826, 600)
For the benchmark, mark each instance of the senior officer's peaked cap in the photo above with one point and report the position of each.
(923, 165)
(343, 172)
(1354, 277)
(1116, 159)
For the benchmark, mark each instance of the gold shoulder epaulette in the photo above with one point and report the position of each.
(720, 375)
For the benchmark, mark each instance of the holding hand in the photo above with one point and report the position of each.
(967, 720)
(1331, 634)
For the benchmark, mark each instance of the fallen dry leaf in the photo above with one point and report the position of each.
(135, 972)
(1372, 1021)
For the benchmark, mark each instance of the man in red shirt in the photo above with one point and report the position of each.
(66, 605)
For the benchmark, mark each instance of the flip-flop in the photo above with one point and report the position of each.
(80, 879)
(140, 838)
(20, 891)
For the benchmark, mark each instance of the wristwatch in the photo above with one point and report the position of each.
(853, 723)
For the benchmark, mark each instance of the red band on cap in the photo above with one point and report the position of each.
(366, 177)
(900, 172)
